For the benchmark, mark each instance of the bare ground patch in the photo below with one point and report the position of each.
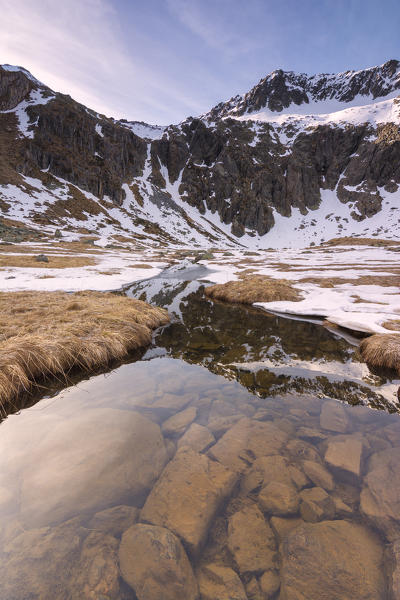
(47, 334)
(254, 288)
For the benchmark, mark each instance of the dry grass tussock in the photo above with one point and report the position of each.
(382, 350)
(254, 288)
(355, 241)
(47, 334)
(55, 262)
(329, 282)
(392, 324)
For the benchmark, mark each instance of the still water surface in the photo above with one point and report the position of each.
(234, 460)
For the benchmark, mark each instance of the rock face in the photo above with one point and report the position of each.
(331, 560)
(89, 462)
(154, 563)
(380, 496)
(187, 497)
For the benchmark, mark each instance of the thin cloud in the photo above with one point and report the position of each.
(208, 22)
(75, 48)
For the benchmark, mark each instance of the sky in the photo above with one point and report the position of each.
(160, 61)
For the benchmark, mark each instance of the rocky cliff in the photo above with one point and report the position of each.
(310, 156)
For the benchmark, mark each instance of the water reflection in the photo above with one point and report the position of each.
(268, 354)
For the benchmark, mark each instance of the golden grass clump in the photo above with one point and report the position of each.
(392, 324)
(47, 334)
(55, 262)
(355, 241)
(254, 288)
(382, 350)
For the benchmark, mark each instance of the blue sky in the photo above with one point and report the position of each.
(163, 60)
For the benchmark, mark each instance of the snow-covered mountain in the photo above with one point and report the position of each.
(298, 159)
(299, 93)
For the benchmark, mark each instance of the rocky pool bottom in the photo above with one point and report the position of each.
(164, 480)
(220, 466)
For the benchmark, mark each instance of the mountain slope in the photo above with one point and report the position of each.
(274, 167)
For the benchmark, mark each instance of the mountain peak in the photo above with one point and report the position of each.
(287, 91)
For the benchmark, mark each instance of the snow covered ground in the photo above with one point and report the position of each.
(351, 302)
(113, 270)
(353, 287)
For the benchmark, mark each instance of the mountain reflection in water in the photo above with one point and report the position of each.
(268, 354)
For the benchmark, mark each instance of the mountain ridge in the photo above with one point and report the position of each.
(224, 178)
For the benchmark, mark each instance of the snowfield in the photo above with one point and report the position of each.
(348, 302)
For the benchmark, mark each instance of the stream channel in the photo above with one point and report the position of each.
(242, 456)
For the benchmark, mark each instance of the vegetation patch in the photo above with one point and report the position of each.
(254, 288)
(355, 241)
(329, 282)
(392, 324)
(48, 334)
(54, 262)
(382, 350)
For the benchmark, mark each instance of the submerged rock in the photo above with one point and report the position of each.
(114, 520)
(246, 441)
(96, 574)
(216, 581)
(60, 562)
(269, 584)
(89, 462)
(280, 499)
(251, 541)
(343, 455)
(177, 424)
(199, 438)
(155, 565)
(282, 526)
(318, 475)
(271, 468)
(331, 560)
(316, 505)
(334, 417)
(188, 495)
(395, 570)
(380, 496)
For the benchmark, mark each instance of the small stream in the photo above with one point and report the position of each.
(242, 455)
